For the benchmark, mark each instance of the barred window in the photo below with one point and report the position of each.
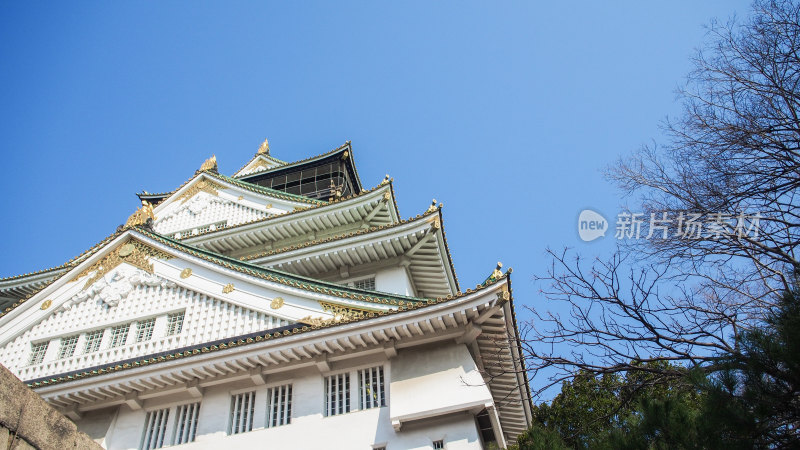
(68, 345)
(119, 335)
(37, 352)
(337, 394)
(367, 283)
(155, 429)
(279, 405)
(370, 388)
(186, 423)
(93, 339)
(438, 445)
(174, 323)
(144, 330)
(242, 407)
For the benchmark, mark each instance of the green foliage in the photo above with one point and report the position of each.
(755, 398)
(590, 407)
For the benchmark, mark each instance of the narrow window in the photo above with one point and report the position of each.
(279, 405)
(438, 445)
(337, 394)
(370, 388)
(93, 339)
(144, 330)
(119, 335)
(242, 408)
(68, 345)
(155, 429)
(367, 284)
(37, 352)
(174, 323)
(186, 423)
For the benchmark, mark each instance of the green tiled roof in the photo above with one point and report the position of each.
(284, 277)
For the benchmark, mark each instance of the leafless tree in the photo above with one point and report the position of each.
(732, 162)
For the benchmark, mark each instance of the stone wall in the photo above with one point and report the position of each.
(27, 421)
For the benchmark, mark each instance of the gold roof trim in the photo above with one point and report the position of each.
(132, 252)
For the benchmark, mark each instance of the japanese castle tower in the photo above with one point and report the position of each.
(284, 306)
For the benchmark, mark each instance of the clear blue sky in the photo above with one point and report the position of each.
(505, 111)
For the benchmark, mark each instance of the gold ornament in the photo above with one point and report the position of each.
(497, 273)
(432, 208)
(126, 250)
(264, 148)
(387, 196)
(132, 252)
(210, 164)
(46, 304)
(259, 164)
(341, 312)
(277, 302)
(186, 273)
(140, 216)
(228, 288)
(206, 186)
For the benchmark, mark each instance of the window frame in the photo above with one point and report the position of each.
(37, 357)
(63, 346)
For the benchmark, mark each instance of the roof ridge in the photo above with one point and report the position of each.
(68, 263)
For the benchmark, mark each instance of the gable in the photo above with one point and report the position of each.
(136, 280)
(130, 298)
(207, 204)
(259, 163)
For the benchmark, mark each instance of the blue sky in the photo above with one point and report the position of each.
(507, 112)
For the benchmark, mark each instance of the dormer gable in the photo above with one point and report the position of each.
(210, 201)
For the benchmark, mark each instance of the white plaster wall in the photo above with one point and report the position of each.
(394, 280)
(309, 429)
(435, 380)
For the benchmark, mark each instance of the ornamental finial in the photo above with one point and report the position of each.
(386, 179)
(432, 208)
(497, 273)
(141, 215)
(210, 164)
(264, 149)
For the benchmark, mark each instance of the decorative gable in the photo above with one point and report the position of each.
(124, 314)
(205, 204)
(260, 163)
(141, 295)
(205, 212)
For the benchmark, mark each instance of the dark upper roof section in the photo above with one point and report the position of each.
(310, 177)
(313, 177)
